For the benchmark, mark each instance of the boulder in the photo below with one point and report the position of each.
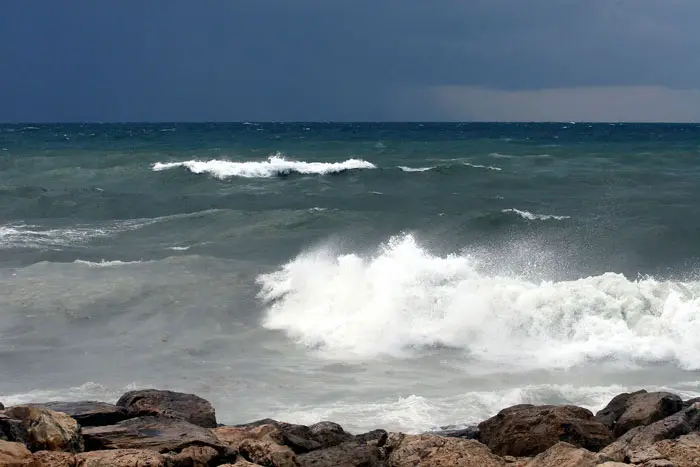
(194, 456)
(241, 463)
(12, 430)
(436, 451)
(46, 429)
(2, 407)
(55, 458)
(564, 455)
(615, 408)
(329, 434)
(642, 437)
(88, 413)
(155, 434)
(267, 452)
(16, 455)
(121, 458)
(527, 430)
(347, 454)
(690, 402)
(645, 409)
(188, 407)
(612, 464)
(681, 452)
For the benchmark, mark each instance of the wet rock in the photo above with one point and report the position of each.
(377, 437)
(527, 430)
(645, 409)
(55, 459)
(437, 451)
(121, 458)
(564, 455)
(88, 413)
(329, 434)
(2, 407)
(609, 415)
(642, 437)
(470, 432)
(46, 429)
(188, 407)
(16, 455)
(348, 454)
(154, 433)
(12, 430)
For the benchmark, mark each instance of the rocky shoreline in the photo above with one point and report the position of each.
(154, 428)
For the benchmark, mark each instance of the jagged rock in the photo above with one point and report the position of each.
(156, 434)
(564, 455)
(267, 452)
(612, 464)
(46, 429)
(526, 430)
(16, 455)
(377, 437)
(88, 413)
(194, 456)
(241, 463)
(615, 408)
(121, 458)
(188, 407)
(681, 452)
(233, 436)
(329, 434)
(642, 437)
(348, 454)
(436, 451)
(12, 430)
(645, 409)
(55, 459)
(2, 407)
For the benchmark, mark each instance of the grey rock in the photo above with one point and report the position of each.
(188, 407)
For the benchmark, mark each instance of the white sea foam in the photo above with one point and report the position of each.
(480, 166)
(535, 217)
(415, 169)
(106, 264)
(416, 414)
(274, 165)
(404, 298)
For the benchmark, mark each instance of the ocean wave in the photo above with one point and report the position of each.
(107, 264)
(480, 166)
(535, 217)
(415, 169)
(274, 166)
(404, 298)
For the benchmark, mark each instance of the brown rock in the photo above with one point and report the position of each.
(188, 407)
(156, 434)
(88, 413)
(241, 463)
(234, 436)
(48, 430)
(564, 455)
(121, 458)
(681, 452)
(642, 437)
(16, 455)
(612, 464)
(267, 452)
(526, 430)
(609, 415)
(348, 454)
(645, 409)
(437, 451)
(194, 456)
(55, 459)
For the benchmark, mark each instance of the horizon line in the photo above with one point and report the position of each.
(341, 122)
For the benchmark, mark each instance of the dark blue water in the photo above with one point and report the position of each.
(363, 257)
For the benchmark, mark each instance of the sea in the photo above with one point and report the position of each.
(406, 276)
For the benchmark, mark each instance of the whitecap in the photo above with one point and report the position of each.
(480, 166)
(274, 165)
(535, 217)
(415, 169)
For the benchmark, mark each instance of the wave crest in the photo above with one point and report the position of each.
(274, 166)
(535, 217)
(404, 298)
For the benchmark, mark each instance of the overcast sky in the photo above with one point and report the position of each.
(234, 60)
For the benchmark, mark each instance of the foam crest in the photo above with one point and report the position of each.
(480, 166)
(415, 169)
(273, 166)
(403, 298)
(535, 217)
(107, 264)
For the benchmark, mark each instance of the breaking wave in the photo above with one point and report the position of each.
(404, 298)
(535, 217)
(415, 169)
(274, 166)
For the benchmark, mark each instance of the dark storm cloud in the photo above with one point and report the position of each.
(344, 60)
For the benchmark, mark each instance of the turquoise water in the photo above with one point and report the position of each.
(399, 275)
